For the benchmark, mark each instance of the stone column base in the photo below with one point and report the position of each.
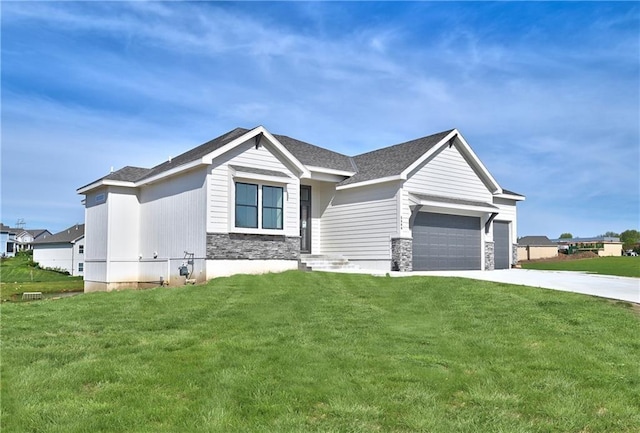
(402, 254)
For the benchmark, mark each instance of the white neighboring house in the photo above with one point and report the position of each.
(63, 250)
(25, 238)
(250, 201)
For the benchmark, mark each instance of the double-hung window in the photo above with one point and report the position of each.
(259, 206)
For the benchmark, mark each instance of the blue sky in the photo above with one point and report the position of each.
(547, 94)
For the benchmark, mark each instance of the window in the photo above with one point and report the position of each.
(80, 249)
(246, 205)
(80, 267)
(259, 203)
(272, 207)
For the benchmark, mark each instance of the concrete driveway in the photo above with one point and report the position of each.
(604, 286)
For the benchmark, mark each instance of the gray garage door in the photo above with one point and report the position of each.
(446, 242)
(501, 244)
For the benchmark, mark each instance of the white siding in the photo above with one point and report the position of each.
(448, 174)
(172, 221)
(507, 212)
(360, 222)
(95, 235)
(54, 256)
(221, 187)
(123, 235)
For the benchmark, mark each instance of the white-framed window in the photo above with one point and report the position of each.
(259, 206)
(80, 249)
(80, 267)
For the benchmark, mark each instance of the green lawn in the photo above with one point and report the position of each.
(620, 266)
(319, 352)
(17, 277)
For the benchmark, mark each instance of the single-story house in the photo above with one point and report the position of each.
(536, 247)
(63, 250)
(250, 201)
(602, 245)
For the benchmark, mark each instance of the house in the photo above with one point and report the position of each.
(536, 247)
(250, 201)
(63, 250)
(25, 238)
(602, 245)
(7, 241)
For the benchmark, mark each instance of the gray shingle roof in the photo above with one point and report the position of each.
(128, 174)
(315, 156)
(392, 160)
(64, 237)
(537, 241)
(381, 163)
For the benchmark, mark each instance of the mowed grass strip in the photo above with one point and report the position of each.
(321, 352)
(620, 266)
(18, 276)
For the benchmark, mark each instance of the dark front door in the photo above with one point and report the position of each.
(502, 246)
(305, 219)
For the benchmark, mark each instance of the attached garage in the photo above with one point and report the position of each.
(446, 242)
(501, 244)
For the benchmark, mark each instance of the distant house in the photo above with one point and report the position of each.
(250, 201)
(603, 246)
(7, 241)
(25, 238)
(536, 247)
(63, 250)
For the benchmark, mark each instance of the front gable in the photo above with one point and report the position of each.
(451, 170)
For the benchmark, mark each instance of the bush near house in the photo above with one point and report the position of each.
(320, 352)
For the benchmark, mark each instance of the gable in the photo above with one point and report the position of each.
(448, 173)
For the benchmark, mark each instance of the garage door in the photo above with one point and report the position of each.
(502, 246)
(446, 242)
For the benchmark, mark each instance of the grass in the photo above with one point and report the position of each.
(17, 275)
(317, 352)
(620, 266)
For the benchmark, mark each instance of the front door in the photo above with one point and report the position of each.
(305, 219)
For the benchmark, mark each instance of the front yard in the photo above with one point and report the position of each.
(318, 352)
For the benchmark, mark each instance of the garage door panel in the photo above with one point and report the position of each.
(502, 246)
(446, 242)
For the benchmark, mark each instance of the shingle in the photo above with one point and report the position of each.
(392, 160)
(65, 236)
(315, 156)
(537, 241)
(128, 174)
(197, 152)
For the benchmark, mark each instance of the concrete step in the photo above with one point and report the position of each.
(318, 262)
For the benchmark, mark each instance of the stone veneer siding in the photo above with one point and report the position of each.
(489, 256)
(402, 254)
(514, 254)
(241, 246)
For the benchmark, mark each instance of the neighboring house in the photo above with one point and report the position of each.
(63, 250)
(536, 247)
(7, 241)
(603, 246)
(249, 201)
(25, 238)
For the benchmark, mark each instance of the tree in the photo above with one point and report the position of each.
(610, 235)
(629, 239)
(566, 236)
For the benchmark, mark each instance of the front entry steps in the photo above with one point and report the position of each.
(318, 262)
